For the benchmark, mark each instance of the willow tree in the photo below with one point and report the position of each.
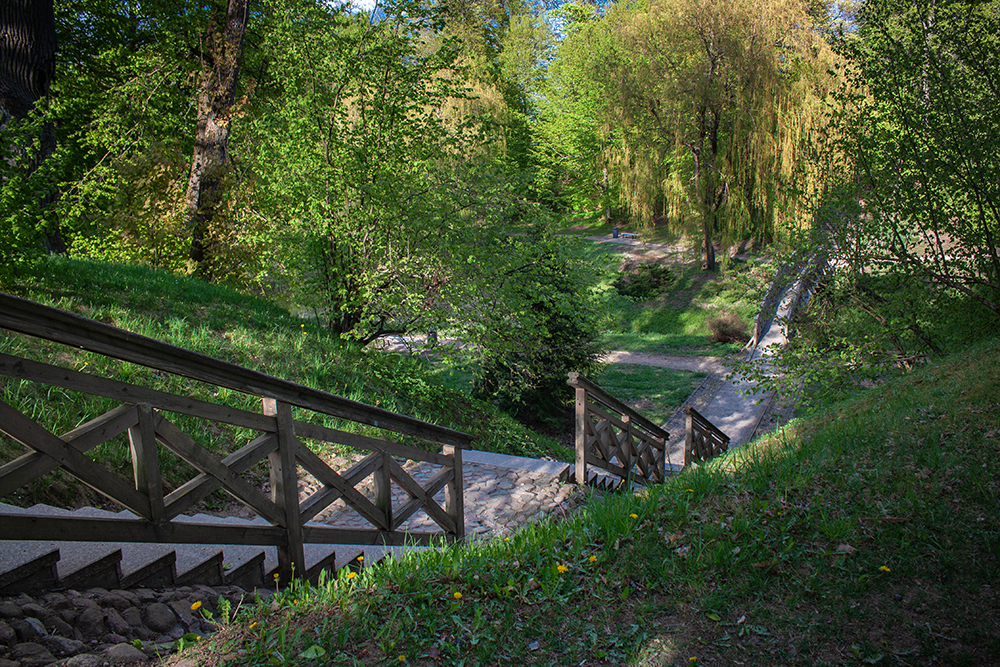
(714, 104)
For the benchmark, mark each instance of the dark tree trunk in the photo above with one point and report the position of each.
(27, 67)
(210, 164)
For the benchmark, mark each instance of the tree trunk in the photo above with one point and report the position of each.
(27, 67)
(210, 164)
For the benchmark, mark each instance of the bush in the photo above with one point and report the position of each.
(728, 328)
(643, 280)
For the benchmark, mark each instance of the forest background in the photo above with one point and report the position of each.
(406, 168)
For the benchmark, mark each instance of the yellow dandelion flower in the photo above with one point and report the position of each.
(457, 595)
(593, 559)
(690, 491)
(253, 625)
(561, 568)
(196, 606)
(351, 575)
(402, 658)
(361, 557)
(276, 575)
(885, 569)
(633, 516)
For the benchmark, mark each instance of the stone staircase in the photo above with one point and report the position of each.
(28, 566)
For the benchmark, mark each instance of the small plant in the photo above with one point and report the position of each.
(643, 280)
(727, 328)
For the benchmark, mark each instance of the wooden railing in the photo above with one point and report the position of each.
(614, 437)
(140, 415)
(702, 440)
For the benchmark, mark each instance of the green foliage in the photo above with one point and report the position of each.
(921, 121)
(536, 324)
(654, 392)
(643, 280)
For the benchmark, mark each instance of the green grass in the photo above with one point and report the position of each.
(677, 321)
(654, 392)
(242, 329)
(866, 535)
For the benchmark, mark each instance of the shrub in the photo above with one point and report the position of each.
(727, 328)
(643, 280)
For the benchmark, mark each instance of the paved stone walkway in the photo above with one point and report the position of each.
(498, 500)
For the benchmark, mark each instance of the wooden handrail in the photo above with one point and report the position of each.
(702, 439)
(612, 436)
(278, 442)
(35, 319)
(579, 381)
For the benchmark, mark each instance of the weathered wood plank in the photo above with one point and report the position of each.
(580, 469)
(454, 492)
(33, 436)
(326, 535)
(331, 477)
(191, 492)
(184, 446)
(607, 465)
(129, 393)
(382, 487)
(327, 434)
(323, 497)
(427, 502)
(285, 488)
(20, 471)
(57, 325)
(146, 463)
(80, 529)
(434, 484)
(620, 423)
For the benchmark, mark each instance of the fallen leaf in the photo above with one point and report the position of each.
(845, 549)
(712, 616)
(740, 620)
(434, 653)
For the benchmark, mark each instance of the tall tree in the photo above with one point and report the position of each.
(714, 103)
(922, 123)
(27, 67)
(221, 53)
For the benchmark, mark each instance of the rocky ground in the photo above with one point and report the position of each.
(99, 627)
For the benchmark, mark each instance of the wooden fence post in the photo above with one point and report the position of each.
(581, 435)
(688, 436)
(454, 492)
(146, 463)
(383, 488)
(285, 490)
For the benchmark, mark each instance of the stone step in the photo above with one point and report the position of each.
(83, 565)
(26, 566)
(37, 566)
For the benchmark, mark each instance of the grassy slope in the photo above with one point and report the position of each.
(676, 322)
(865, 535)
(228, 325)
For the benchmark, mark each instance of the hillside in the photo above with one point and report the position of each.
(867, 534)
